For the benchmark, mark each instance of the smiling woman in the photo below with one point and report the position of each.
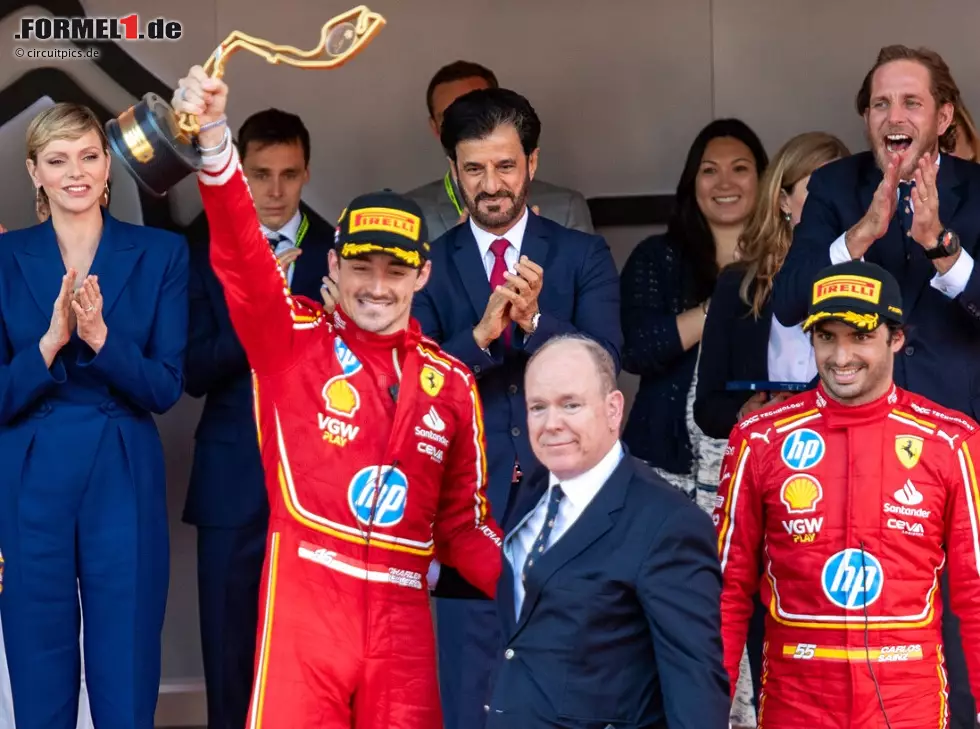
(93, 326)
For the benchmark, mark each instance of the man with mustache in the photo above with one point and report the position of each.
(914, 212)
(852, 500)
(441, 200)
(506, 281)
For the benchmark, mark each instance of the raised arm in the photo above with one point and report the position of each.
(262, 310)
(466, 535)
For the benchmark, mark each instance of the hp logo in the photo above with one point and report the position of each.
(803, 449)
(387, 504)
(349, 363)
(852, 580)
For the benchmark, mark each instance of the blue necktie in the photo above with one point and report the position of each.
(274, 240)
(541, 543)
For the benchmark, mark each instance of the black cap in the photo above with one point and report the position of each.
(383, 222)
(861, 294)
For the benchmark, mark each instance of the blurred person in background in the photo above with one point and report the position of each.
(966, 141)
(742, 340)
(441, 200)
(93, 328)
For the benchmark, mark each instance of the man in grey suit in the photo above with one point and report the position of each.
(440, 200)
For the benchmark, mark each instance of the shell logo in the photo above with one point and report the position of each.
(801, 494)
(340, 397)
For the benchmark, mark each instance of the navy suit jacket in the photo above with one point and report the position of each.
(734, 346)
(621, 622)
(941, 359)
(580, 294)
(139, 370)
(227, 483)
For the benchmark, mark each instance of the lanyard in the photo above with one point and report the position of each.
(304, 225)
(447, 181)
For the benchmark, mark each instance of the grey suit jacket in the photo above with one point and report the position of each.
(566, 207)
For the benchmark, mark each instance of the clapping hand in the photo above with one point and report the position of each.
(525, 286)
(87, 306)
(926, 227)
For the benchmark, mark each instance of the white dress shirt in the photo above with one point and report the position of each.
(288, 234)
(952, 283)
(578, 494)
(790, 354)
(514, 236)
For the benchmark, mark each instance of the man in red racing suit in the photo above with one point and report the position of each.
(850, 508)
(373, 449)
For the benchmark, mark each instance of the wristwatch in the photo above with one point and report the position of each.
(944, 248)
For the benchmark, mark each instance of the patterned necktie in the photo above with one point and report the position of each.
(498, 248)
(541, 543)
(905, 211)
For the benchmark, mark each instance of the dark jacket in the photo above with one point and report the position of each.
(657, 284)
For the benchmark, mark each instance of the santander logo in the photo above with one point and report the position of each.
(433, 421)
(908, 495)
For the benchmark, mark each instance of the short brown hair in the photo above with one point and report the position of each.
(604, 366)
(942, 86)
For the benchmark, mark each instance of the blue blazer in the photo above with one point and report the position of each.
(143, 279)
(580, 294)
(227, 482)
(621, 622)
(941, 359)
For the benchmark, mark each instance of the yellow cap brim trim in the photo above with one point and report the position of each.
(868, 322)
(352, 250)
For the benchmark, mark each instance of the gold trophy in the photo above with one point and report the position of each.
(159, 147)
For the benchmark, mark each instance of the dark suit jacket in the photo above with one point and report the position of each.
(227, 483)
(621, 622)
(658, 283)
(941, 360)
(734, 346)
(580, 293)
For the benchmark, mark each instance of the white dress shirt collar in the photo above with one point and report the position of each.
(514, 236)
(289, 230)
(582, 489)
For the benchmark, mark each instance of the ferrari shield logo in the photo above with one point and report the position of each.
(431, 380)
(908, 448)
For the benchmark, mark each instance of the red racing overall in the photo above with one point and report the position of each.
(851, 514)
(367, 484)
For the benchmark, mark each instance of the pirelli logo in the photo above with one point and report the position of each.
(385, 219)
(852, 287)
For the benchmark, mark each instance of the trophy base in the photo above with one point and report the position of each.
(148, 141)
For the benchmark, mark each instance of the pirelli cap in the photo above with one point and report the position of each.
(383, 222)
(861, 294)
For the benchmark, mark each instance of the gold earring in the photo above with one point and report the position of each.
(105, 195)
(40, 204)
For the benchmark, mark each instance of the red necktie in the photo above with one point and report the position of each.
(498, 247)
